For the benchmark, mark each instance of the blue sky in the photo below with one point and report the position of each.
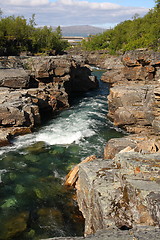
(103, 13)
(133, 3)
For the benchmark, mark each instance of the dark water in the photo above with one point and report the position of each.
(34, 203)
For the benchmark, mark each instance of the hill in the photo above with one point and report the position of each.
(81, 30)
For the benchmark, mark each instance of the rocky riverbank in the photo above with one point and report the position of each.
(122, 190)
(140, 233)
(34, 88)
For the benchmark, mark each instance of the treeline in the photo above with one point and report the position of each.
(131, 34)
(18, 35)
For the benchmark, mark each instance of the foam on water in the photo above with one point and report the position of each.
(75, 125)
(78, 124)
(71, 126)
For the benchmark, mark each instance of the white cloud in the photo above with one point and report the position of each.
(71, 12)
(27, 2)
(92, 5)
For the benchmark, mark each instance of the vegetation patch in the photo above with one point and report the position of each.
(129, 35)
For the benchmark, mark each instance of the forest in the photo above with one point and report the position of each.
(18, 35)
(140, 32)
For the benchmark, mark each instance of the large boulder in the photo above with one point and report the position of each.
(4, 138)
(115, 145)
(14, 78)
(135, 107)
(139, 143)
(123, 192)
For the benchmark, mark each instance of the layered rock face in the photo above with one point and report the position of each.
(122, 190)
(134, 97)
(33, 88)
(134, 66)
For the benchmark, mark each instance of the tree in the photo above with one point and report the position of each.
(59, 32)
(131, 34)
(136, 15)
(17, 35)
(157, 3)
(1, 12)
(32, 21)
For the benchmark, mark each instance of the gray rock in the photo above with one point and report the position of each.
(14, 78)
(32, 88)
(123, 192)
(134, 107)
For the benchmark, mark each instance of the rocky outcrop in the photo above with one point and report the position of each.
(134, 98)
(134, 107)
(14, 78)
(123, 192)
(63, 72)
(72, 176)
(139, 66)
(142, 233)
(32, 88)
(145, 144)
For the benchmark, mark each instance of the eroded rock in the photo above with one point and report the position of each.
(123, 192)
(33, 88)
(134, 107)
(134, 66)
(142, 233)
(72, 176)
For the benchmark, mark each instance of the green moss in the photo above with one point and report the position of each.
(32, 158)
(37, 147)
(19, 189)
(9, 203)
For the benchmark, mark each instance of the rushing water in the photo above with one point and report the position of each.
(34, 203)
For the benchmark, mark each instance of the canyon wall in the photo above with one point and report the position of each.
(122, 189)
(33, 88)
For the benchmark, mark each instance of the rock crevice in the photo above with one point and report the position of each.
(32, 88)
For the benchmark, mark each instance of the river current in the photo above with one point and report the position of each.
(34, 203)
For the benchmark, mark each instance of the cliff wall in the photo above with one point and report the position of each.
(122, 190)
(32, 88)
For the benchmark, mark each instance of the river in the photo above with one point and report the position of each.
(34, 203)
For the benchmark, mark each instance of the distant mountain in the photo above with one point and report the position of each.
(81, 30)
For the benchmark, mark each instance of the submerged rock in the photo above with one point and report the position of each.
(14, 226)
(9, 203)
(51, 220)
(37, 147)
